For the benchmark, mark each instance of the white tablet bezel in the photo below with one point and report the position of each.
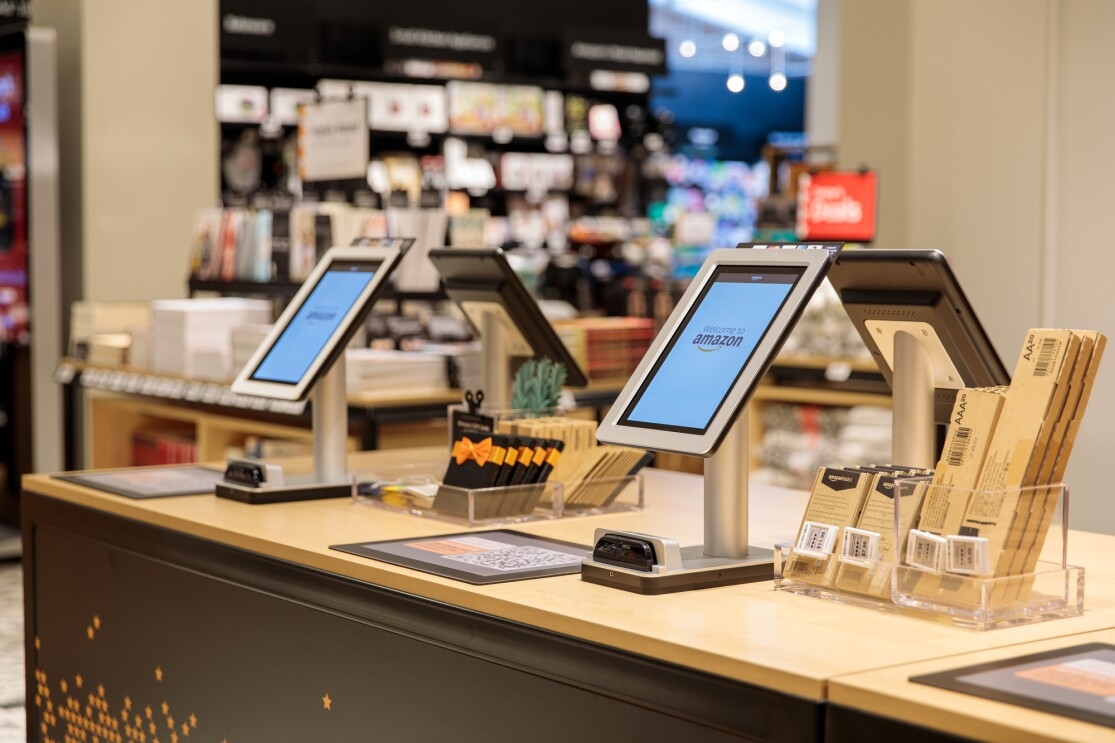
(384, 260)
(814, 265)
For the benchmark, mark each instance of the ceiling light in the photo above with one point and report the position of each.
(735, 83)
(756, 48)
(778, 81)
(730, 42)
(687, 48)
(776, 38)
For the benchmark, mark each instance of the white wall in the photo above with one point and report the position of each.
(989, 122)
(822, 103)
(143, 140)
(1083, 249)
(874, 110)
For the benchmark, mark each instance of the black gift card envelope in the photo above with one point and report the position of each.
(475, 461)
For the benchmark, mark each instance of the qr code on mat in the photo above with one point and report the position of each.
(516, 558)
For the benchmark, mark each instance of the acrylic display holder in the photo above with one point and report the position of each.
(417, 490)
(956, 577)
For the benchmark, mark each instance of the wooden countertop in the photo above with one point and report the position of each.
(889, 693)
(752, 633)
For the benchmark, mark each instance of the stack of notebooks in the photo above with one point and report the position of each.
(376, 371)
(183, 328)
(245, 342)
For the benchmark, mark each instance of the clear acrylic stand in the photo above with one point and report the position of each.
(417, 489)
(1013, 573)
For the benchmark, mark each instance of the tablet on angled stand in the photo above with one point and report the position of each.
(689, 394)
(911, 312)
(503, 313)
(303, 355)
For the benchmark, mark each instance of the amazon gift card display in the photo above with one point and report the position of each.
(475, 461)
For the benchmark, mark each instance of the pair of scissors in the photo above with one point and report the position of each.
(474, 400)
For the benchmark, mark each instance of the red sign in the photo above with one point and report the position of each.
(837, 205)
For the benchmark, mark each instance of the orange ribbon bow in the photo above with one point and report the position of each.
(465, 449)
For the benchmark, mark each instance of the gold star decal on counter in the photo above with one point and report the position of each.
(193, 720)
(158, 673)
(170, 722)
(325, 700)
(100, 690)
(186, 729)
(166, 708)
(64, 686)
(78, 681)
(96, 621)
(38, 643)
(127, 702)
(148, 711)
(89, 631)
(152, 728)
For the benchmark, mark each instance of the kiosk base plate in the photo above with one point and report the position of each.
(698, 571)
(283, 493)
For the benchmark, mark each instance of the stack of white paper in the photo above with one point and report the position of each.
(372, 370)
(181, 329)
(245, 342)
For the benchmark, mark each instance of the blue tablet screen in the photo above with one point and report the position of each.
(717, 339)
(315, 322)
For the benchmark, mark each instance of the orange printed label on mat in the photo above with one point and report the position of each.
(1087, 676)
(456, 546)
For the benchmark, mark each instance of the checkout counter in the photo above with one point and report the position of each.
(206, 618)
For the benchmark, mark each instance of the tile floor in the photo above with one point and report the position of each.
(12, 719)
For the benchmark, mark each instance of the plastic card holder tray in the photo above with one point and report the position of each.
(1013, 570)
(417, 489)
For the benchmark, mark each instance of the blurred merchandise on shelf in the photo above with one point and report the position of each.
(708, 204)
(89, 319)
(607, 347)
(798, 439)
(245, 341)
(164, 446)
(825, 329)
(376, 371)
(788, 157)
(110, 349)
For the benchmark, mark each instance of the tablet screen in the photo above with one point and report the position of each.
(690, 380)
(315, 322)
